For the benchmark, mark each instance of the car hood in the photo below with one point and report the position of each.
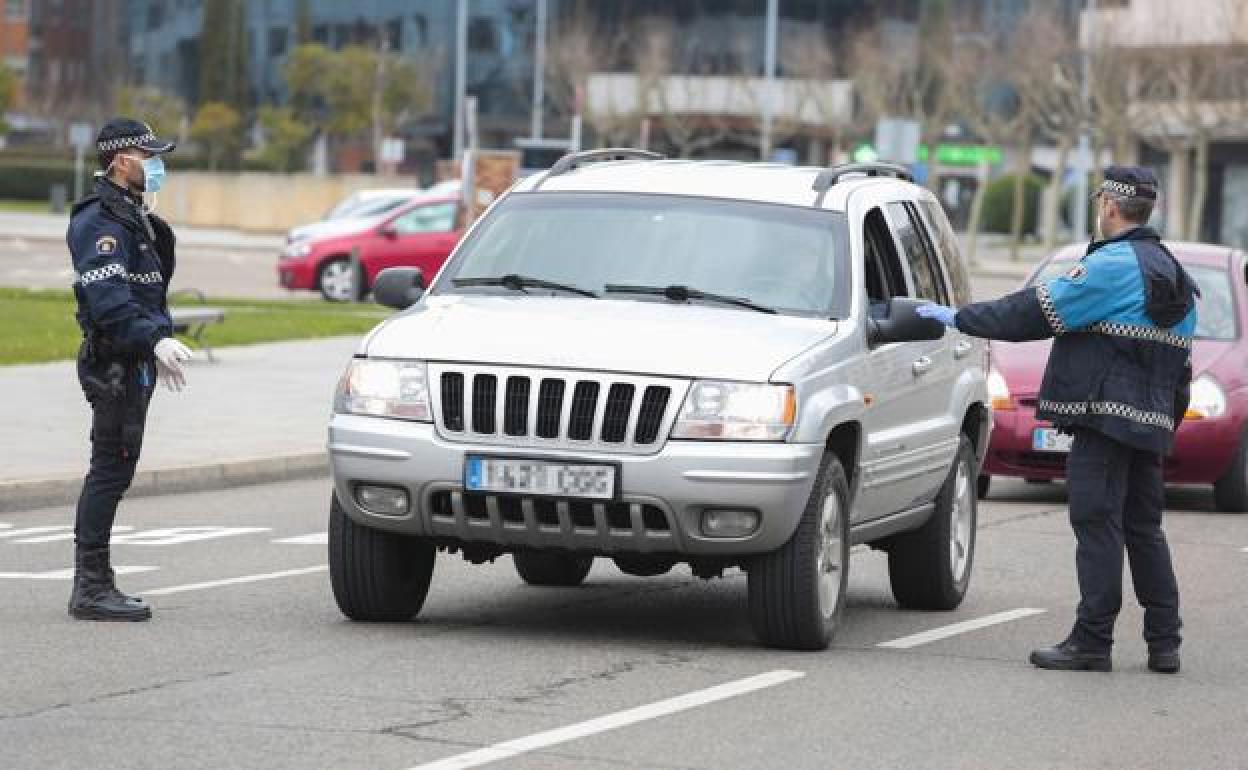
(1022, 363)
(331, 228)
(640, 337)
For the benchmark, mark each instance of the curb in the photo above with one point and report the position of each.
(44, 493)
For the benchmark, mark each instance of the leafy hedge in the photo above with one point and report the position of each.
(999, 204)
(32, 179)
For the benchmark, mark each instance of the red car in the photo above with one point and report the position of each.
(420, 233)
(1210, 445)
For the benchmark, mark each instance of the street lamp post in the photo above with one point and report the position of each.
(769, 77)
(461, 77)
(539, 71)
(1079, 215)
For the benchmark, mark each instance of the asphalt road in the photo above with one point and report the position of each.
(261, 671)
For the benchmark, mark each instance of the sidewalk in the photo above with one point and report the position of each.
(51, 227)
(259, 414)
(992, 257)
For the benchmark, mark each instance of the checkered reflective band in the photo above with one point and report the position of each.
(101, 273)
(109, 145)
(1050, 310)
(1151, 334)
(1109, 409)
(1119, 188)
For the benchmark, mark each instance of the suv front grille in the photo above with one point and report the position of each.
(538, 408)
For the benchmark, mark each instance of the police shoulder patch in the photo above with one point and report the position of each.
(105, 244)
(1077, 273)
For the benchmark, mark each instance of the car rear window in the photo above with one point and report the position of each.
(1215, 308)
(791, 259)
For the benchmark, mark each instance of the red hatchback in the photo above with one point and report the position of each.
(420, 233)
(1210, 445)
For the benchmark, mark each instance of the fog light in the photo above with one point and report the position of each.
(386, 501)
(718, 522)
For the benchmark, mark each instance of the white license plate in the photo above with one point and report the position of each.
(1049, 440)
(539, 477)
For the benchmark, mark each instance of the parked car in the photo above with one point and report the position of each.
(365, 204)
(1210, 447)
(419, 233)
(663, 362)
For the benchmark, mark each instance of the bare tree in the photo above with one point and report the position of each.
(811, 60)
(581, 47)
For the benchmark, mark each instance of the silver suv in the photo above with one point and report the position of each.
(663, 362)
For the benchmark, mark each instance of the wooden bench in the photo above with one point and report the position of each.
(192, 320)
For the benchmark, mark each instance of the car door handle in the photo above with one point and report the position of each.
(962, 349)
(921, 365)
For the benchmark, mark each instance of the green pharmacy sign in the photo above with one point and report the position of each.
(946, 154)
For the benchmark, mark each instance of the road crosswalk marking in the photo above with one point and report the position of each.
(64, 536)
(235, 581)
(314, 538)
(68, 573)
(944, 632)
(15, 533)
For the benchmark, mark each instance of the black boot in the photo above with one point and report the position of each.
(1069, 656)
(1163, 661)
(95, 595)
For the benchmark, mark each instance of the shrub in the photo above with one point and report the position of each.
(32, 179)
(999, 204)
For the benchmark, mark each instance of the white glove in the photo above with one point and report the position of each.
(169, 357)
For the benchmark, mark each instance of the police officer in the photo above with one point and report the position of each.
(124, 258)
(1118, 379)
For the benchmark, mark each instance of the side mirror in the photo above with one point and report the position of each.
(399, 287)
(388, 230)
(902, 324)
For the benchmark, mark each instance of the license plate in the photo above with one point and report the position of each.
(1049, 440)
(539, 477)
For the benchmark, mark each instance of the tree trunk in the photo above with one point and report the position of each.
(1021, 173)
(1053, 199)
(1200, 180)
(977, 210)
(931, 139)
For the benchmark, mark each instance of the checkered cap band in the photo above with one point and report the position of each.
(1119, 188)
(112, 145)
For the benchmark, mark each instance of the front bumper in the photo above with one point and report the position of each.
(295, 274)
(659, 508)
(1202, 452)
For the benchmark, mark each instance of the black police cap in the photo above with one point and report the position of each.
(1130, 182)
(123, 133)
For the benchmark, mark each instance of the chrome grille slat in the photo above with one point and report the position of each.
(543, 409)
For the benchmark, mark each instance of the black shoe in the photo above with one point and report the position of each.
(1164, 662)
(95, 595)
(1069, 656)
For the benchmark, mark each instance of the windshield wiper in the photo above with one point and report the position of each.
(522, 282)
(684, 294)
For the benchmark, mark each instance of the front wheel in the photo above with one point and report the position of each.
(376, 575)
(797, 592)
(552, 569)
(336, 280)
(930, 568)
(1231, 491)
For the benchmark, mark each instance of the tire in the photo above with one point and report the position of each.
(1230, 492)
(797, 592)
(552, 569)
(930, 568)
(376, 575)
(982, 485)
(336, 280)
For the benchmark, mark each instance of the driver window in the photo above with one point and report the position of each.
(438, 218)
(884, 276)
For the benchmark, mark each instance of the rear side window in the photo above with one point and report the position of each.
(946, 244)
(924, 274)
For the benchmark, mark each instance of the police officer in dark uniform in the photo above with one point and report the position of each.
(1118, 379)
(124, 259)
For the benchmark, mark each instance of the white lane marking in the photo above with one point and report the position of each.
(67, 574)
(64, 536)
(614, 721)
(32, 531)
(236, 581)
(5, 525)
(179, 535)
(315, 538)
(944, 632)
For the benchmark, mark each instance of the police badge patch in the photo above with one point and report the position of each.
(1077, 273)
(106, 244)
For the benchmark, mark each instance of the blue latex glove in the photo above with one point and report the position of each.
(941, 313)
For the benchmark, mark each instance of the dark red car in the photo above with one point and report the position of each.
(420, 233)
(1210, 445)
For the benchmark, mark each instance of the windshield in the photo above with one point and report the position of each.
(782, 257)
(367, 207)
(1215, 307)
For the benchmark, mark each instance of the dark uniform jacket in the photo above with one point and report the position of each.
(1123, 319)
(124, 259)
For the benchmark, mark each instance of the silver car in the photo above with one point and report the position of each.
(664, 362)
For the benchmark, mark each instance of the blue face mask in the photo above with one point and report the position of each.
(153, 174)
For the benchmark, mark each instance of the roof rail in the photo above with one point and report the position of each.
(575, 160)
(829, 177)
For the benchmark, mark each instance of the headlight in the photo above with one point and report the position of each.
(1208, 399)
(398, 389)
(999, 392)
(737, 411)
(298, 249)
